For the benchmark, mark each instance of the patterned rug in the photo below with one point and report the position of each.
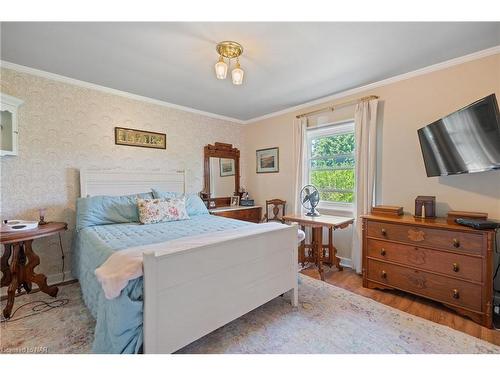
(328, 320)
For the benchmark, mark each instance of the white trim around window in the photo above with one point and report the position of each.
(328, 130)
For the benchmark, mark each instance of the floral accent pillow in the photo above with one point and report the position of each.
(158, 210)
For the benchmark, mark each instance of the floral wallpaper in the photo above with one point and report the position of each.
(64, 127)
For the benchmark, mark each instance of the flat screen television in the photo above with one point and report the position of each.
(465, 141)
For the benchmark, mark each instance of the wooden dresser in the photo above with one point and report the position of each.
(250, 213)
(432, 258)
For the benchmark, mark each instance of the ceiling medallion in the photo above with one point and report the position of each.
(229, 50)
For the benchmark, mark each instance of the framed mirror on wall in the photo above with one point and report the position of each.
(221, 174)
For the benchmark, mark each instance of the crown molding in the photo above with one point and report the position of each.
(401, 77)
(108, 90)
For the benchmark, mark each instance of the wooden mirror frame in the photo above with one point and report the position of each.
(226, 151)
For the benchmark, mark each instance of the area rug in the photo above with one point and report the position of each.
(328, 320)
(40, 328)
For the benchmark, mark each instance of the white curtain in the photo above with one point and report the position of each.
(300, 147)
(365, 123)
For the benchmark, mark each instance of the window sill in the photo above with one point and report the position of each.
(334, 209)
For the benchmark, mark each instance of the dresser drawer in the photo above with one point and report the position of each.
(452, 264)
(441, 288)
(247, 214)
(415, 235)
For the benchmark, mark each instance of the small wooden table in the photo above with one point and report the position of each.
(20, 273)
(317, 223)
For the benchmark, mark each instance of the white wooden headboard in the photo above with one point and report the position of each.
(125, 182)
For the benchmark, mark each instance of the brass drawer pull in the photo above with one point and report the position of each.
(383, 275)
(456, 268)
(383, 231)
(456, 242)
(382, 252)
(456, 294)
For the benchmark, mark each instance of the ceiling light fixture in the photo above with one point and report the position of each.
(229, 50)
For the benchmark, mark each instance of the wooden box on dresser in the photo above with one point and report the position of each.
(432, 258)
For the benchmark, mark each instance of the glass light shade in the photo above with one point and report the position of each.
(221, 69)
(237, 75)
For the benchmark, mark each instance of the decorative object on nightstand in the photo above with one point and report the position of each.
(277, 211)
(425, 206)
(41, 213)
(18, 225)
(20, 273)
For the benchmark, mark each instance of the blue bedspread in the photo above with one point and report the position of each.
(119, 321)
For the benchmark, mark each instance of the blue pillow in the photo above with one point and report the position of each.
(104, 209)
(194, 204)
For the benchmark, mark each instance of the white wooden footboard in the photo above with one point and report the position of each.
(190, 293)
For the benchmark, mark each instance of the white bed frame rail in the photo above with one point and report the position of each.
(191, 293)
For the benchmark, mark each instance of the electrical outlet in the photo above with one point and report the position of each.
(496, 310)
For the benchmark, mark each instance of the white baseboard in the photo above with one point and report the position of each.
(345, 262)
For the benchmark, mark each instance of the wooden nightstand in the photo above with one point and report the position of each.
(20, 272)
(245, 213)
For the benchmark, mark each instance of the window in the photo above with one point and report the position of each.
(331, 163)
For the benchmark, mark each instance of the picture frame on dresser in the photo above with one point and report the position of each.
(235, 201)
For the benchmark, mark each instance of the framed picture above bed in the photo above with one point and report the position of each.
(140, 138)
(268, 160)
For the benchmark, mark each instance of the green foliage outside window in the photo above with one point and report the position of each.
(332, 167)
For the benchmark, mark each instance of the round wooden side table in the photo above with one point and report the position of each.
(20, 272)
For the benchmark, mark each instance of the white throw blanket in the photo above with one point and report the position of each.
(125, 265)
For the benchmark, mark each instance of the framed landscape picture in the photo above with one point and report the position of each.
(226, 167)
(140, 138)
(268, 160)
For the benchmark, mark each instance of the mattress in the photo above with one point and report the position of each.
(119, 321)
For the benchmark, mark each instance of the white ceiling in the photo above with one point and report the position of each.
(285, 64)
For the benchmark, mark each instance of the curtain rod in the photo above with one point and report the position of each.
(333, 107)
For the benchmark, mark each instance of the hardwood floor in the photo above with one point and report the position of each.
(411, 304)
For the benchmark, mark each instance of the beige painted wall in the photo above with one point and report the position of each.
(405, 106)
(63, 128)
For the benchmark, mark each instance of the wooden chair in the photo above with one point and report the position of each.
(277, 212)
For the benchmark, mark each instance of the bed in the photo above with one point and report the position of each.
(183, 295)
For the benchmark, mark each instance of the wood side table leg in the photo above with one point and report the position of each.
(318, 249)
(31, 276)
(11, 291)
(333, 251)
(302, 249)
(22, 279)
(4, 266)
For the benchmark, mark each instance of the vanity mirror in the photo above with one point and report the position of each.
(221, 172)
